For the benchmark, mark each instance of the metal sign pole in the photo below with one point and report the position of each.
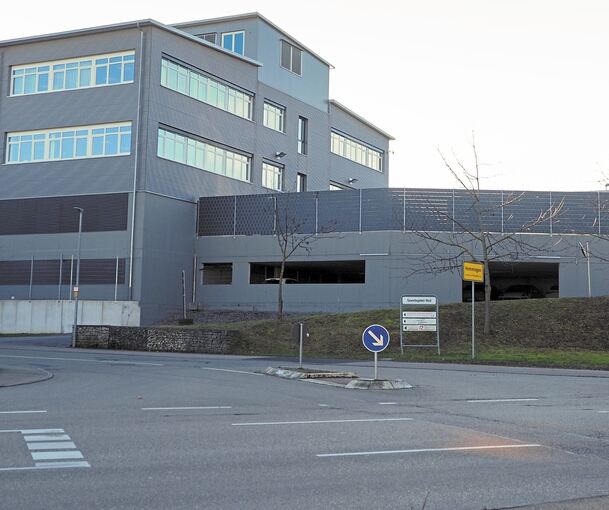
(588, 259)
(376, 366)
(473, 324)
(300, 328)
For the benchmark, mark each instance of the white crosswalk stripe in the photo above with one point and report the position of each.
(59, 450)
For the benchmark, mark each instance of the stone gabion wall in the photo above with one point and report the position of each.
(155, 339)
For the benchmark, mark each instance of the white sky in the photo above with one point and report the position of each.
(529, 77)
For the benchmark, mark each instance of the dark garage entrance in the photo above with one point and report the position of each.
(518, 280)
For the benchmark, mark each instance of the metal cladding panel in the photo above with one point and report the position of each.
(216, 216)
(602, 204)
(338, 211)
(382, 209)
(254, 215)
(46, 272)
(576, 212)
(296, 212)
(429, 210)
(525, 211)
(54, 215)
(476, 214)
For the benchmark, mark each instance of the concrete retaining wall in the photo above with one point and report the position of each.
(155, 339)
(52, 316)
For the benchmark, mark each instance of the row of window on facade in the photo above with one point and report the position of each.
(115, 140)
(119, 68)
(290, 59)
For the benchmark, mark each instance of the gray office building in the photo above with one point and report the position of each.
(185, 145)
(134, 123)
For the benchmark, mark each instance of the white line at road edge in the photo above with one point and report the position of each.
(50, 465)
(183, 408)
(427, 450)
(503, 400)
(308, 422)
(233, 371)
(21, 412)
(388, 403)
(88, 360)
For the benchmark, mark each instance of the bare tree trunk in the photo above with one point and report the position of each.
(280, 292)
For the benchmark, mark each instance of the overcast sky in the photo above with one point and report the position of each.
(529, 77)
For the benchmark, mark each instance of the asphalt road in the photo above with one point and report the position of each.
(177, 431)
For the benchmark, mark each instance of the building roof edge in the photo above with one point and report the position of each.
(333, 102)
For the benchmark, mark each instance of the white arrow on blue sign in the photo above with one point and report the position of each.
(375, 338)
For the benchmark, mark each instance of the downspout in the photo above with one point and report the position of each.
(136, 158)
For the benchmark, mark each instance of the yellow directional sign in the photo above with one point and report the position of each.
(473, 271)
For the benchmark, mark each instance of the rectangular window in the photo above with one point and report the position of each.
(301, 182)
(77, 73)
(217, 274)
(234, 41)
(321, 272)
(203, 155)
(291, 58)
(356, 151)
(69, 143)
(272, 176)
(274, 117)
(302, 135)
(210, 38)
(205, 89)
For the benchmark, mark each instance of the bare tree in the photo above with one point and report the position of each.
(474, 238)
(293, 232)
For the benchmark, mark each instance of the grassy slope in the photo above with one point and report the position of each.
(548, 332)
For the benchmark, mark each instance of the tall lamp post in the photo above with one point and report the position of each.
(76, 289)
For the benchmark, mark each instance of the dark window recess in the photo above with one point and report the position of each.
(211, 37)
(217, 274)
(343, 271)
(301, 182)
(56, 215)
(46, 272)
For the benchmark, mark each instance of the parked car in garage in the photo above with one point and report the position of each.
(286, 281)
(522, 291)
(478, 292)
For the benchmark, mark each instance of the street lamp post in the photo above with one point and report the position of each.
(76, 289)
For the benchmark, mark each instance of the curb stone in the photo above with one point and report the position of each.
(18, 376)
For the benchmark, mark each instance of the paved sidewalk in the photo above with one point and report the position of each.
(14, 376)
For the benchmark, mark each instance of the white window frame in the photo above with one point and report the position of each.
(235, 32)
(51, 142)
(292, 47)
(273, 111)
(208, 90)
(302, 137)
(204, 155)
(77, 60)
(272, 176)
(355, 151)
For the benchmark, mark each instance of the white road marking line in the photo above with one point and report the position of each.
(387, 403)
(310, 422)
(49, 465)
(57, 455)
(233, 371)
(47, 437)
(503, 400)
(427, 450)
(603, 412)
(67, 464)
(35, 431)
(21, 412)
(323, 405)
(55, 445)
(183, 408)
(86, 360)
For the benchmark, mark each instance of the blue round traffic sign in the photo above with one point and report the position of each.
(375, 338)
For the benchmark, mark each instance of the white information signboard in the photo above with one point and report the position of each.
(418, 314)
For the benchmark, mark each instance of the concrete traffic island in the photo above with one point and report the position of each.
(347, 380)
(11, 376)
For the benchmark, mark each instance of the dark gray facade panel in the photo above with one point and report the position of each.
(254, 216)
(54, 215)
(52, 272)
(422, 210)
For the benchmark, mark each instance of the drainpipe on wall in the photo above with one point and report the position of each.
(136, 158)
